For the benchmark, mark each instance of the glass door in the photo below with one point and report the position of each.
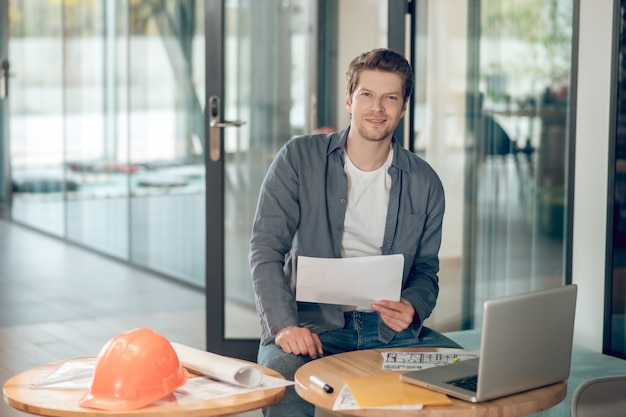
(257, 68)
(5, 190)
(615, 326)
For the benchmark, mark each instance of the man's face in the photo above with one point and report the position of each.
(376, 105)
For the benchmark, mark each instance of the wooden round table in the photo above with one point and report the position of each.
(332, 369)
(19, 394)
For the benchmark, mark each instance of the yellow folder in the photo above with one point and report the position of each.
(388, 390)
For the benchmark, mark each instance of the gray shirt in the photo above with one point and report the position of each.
(301, 210)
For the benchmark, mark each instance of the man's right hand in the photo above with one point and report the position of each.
(299, 341)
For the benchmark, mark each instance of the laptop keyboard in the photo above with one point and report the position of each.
(468, 383)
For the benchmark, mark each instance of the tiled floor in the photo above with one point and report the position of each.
(59, 301)
(44, 279)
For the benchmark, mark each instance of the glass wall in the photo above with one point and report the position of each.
(492, 116)
(522, 122)
(107, 128)
(165, 127)
(37, 103)
(96, 203)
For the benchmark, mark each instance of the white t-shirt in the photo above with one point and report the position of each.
(366, 214)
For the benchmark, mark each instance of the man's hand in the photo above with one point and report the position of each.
(299, 341)
(397, 315)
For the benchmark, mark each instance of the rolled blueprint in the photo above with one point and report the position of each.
(222, 368)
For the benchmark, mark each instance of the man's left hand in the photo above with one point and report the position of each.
(398, 315)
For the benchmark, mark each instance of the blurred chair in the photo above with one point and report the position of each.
(492, 140)
(600, 397)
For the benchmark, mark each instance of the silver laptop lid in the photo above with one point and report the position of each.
(526, 341)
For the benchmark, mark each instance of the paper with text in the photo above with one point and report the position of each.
(410, 361)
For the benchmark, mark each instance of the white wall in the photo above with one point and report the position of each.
(591, 167)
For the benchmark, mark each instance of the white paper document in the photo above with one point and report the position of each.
(358, 281)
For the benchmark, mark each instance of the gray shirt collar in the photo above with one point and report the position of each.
(400, 160)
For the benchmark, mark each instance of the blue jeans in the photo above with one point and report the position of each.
(359, 332)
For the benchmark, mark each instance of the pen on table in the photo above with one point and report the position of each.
(323, 385)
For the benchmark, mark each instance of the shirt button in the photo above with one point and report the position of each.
(343, 201)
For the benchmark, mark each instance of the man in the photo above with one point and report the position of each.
(356, 192)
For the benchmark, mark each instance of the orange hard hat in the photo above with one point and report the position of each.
(134, 369)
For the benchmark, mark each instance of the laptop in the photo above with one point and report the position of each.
(526, 343)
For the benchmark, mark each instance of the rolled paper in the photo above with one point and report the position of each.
(219, 367)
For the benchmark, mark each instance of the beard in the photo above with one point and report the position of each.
(373, 132)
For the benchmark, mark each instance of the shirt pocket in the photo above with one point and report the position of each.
(409, 234)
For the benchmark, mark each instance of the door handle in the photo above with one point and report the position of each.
(4, 79)
(215, 125)
(235, 123)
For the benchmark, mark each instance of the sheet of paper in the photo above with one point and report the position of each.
(208, 389)
(388, 390)
(408, 361)
(73, 374)
(356, 281)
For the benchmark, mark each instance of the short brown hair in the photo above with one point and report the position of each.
(381, 59)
